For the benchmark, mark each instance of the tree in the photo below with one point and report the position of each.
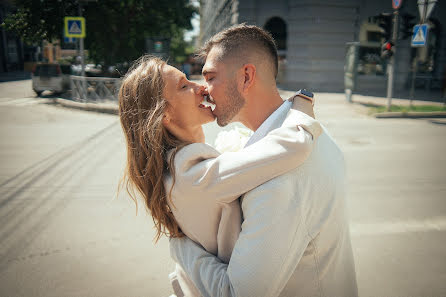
(179, 48)
(116, 29)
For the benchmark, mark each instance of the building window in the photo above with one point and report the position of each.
(277, 27)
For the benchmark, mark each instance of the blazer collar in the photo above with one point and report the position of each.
(274, 121)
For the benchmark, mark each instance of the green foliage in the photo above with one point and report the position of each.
(405, 108)
(35, 21)
(180, 49)
(116, 29)
(120, 30)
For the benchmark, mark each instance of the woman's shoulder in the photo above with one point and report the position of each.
(192, 154)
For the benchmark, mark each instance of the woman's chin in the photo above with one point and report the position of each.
(208, 116)
(210, 120)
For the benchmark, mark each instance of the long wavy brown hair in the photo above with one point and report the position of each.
(141, 111)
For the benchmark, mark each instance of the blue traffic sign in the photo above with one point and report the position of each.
(69, 39)
(75, 27)
(419, 37)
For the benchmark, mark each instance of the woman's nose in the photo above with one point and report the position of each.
(199, 89)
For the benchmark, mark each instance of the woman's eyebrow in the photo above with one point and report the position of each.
(182, 78)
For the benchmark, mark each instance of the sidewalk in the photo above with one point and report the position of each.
(395, 101)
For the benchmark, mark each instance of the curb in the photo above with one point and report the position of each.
(95, 107)
(410, 115)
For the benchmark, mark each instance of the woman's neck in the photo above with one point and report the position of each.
(193, 135)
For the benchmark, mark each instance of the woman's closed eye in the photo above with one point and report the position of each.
(184, 84)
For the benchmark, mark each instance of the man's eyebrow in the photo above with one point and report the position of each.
(206, 72)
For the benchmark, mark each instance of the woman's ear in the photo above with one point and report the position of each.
(166, 118)
(249, 74)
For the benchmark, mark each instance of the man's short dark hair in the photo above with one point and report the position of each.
(239, 41)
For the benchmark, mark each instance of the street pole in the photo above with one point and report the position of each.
(391, 66)
(414, 75)
(81, 45)
(423, 11)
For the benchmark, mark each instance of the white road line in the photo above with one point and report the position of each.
(398, 227)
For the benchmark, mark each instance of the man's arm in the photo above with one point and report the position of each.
(270, 246)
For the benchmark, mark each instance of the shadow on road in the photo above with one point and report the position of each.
(33, 213)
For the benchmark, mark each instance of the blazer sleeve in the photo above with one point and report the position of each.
(272, 241)
(224, 177)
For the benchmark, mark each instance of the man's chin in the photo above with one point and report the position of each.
(222, 123)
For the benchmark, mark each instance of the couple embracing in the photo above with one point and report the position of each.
(268, 220)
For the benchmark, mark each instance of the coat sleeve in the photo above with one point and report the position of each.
(224, 177)
(272, 241)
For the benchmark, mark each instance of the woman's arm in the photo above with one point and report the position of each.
(200, 169)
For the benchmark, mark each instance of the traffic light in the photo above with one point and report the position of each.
(406, 27)
(387, 50)
(384, 20)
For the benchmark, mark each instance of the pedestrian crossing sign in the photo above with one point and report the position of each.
(74, 27)
(419, 37)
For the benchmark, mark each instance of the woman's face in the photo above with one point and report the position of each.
(184, 98)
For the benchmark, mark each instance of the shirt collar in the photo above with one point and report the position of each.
(274, 121)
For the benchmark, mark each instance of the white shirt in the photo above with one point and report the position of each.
(272, 122)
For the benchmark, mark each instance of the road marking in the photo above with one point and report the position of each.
(398, 227)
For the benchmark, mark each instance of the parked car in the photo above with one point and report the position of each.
(51, 77)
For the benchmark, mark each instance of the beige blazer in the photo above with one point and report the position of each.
(208, 184)
(294, 241)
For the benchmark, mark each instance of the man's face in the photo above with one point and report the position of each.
(222, 87)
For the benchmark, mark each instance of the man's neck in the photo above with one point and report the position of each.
(259, 110)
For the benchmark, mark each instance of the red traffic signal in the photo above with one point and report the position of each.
(387, 50)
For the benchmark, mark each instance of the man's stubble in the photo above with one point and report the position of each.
(234, 103)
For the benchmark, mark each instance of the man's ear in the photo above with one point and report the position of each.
(249, 75)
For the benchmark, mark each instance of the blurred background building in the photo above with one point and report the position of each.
(311, 37)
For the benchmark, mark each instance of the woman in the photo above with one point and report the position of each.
(189, 187)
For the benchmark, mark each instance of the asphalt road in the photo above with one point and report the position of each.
(63, 231)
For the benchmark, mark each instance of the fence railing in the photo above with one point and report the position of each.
(94, 88)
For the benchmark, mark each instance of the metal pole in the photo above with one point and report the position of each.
(81, 45)
(391, 66)
(414, 75)
(423, 17)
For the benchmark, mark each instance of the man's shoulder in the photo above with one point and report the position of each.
(325, 163)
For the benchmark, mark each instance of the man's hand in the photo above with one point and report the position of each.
(303, 105)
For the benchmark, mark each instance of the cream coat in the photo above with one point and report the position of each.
(208, 184)
(294, 241)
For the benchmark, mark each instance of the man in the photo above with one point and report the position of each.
(295, 237)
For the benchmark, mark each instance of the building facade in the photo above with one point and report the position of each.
(312, 35)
